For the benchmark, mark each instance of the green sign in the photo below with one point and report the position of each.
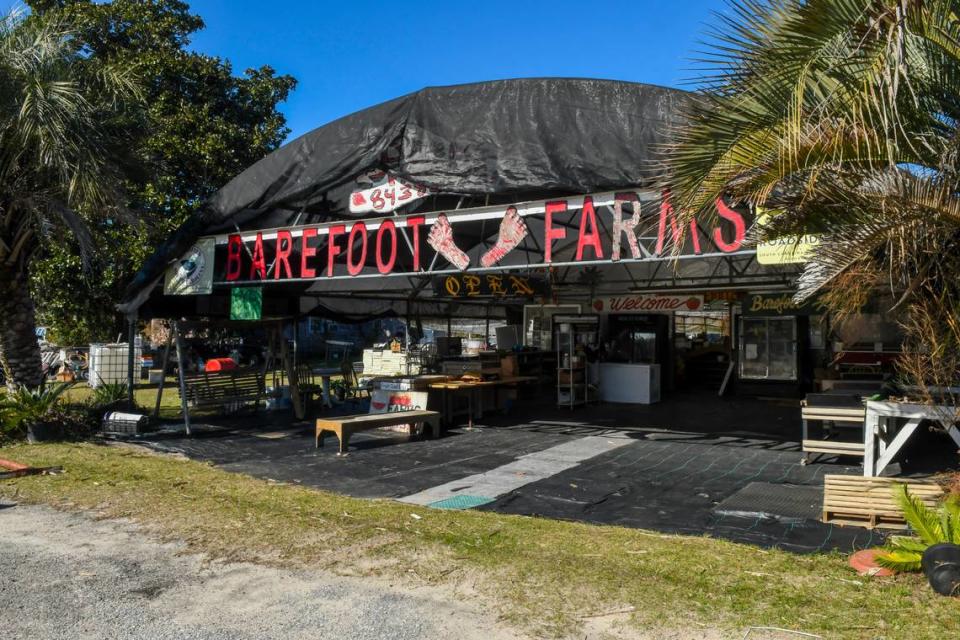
(246, 303)
(778, 304)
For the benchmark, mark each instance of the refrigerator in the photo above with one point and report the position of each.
(641, 339)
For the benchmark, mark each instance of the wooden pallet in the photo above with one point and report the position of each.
(870, 502)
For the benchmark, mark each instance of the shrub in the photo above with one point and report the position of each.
(109, 395)
(24, 408)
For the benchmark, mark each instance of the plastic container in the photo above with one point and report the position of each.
(109, 363)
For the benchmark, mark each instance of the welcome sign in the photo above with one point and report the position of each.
(647, 303)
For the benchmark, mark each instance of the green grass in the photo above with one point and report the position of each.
(543, 575)
(145, 397)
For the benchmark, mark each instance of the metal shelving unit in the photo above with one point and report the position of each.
(572, 334)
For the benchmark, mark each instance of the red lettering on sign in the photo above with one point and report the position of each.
(387, 226)
(739, 228)
(589, 238)
(332, 249)
(307, 251)
(234, 250)
(549, 232)
(629, 227)
(414, 222)
(282, 262)
(358, 229)
(667, 213)
(259, 263)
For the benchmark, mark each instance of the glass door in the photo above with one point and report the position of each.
(768, 348)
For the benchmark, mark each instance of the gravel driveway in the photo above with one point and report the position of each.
(67, 576)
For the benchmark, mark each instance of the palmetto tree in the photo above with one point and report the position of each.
(58, 122)
(842, 115)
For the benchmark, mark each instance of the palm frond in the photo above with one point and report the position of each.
(899, 560)
(56, 106)
(924, 521)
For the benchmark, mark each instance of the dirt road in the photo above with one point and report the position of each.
(67, 576)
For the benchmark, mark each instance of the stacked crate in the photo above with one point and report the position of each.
(384, 363)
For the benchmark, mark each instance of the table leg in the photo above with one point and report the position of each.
(470, 409)
(869, 443)
(896, 444)
(325, 384)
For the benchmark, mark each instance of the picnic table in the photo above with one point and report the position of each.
(889, 425)
(473, 390)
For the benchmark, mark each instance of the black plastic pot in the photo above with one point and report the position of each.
(941, 564)
(938, 554)
(945, 579)
(42, 432)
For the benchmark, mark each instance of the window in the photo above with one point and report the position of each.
(768, 348)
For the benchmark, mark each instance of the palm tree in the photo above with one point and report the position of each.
(58, 120)
(842, 115)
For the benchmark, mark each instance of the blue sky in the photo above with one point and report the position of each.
(351, 54)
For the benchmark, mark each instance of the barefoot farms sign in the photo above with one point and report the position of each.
(602, 228)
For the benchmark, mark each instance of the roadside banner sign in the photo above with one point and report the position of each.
(192, 274)
(786, 249)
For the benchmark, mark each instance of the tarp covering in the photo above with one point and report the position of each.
(503, 140)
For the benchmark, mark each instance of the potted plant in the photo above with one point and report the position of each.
(33, 411)
(339, 389)
(935, 547)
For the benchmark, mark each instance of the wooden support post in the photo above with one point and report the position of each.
(486, 329)
(131, 339)
(163, 368)
(181, 374)
(298, 409)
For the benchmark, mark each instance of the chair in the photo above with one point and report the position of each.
(355, 392)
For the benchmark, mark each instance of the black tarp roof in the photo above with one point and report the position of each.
(503, 141)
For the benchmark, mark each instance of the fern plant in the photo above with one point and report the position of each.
(931, 526)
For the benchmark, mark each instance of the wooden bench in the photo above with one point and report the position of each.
(346, 426)
(225, 388)
(836, 411)
(870, 502)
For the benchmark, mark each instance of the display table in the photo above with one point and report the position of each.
(890, 424)
(474, 394)
(632, 383)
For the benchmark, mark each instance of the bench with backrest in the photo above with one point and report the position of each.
(345, 426)
(832, 410)
(225, 389)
